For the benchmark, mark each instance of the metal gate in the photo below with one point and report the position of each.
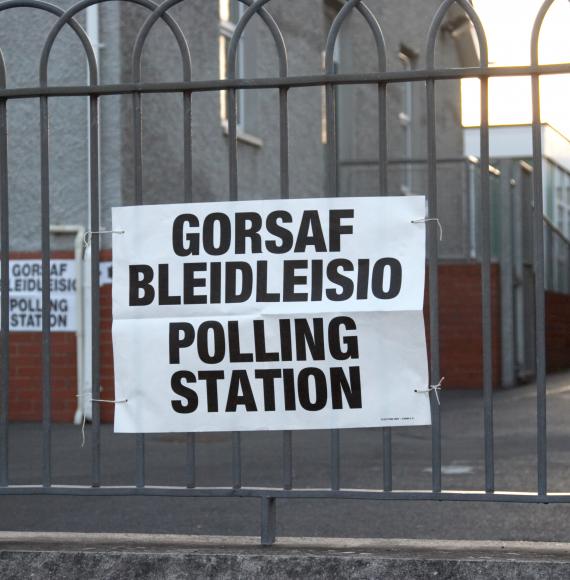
(284, 84)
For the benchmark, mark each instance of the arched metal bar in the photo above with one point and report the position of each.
(2, 71)
(332, 179)
(332, 172)
(94, 210)
(45, 233)
(432, 245)
(161, 12)
(94, 164)
(254, 7)
(63, 19)
(57, 11)
(432, 242)
(157, 12)
(536, 28)
(257, 7)
(67, 16)
(374, 28)
(484, 228)
(436, 25)
(539, 300)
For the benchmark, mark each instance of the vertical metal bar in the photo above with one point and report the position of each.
(236, 459)
(4, 295)
(190, 460)
(539, 307)
(382, 141)
(284, 142)
(383, 190)
(539, 290)
(432, 255)
(140, 460)
(46, 335)
(138, 167)
(331, 168)
(95, 302)
(284, 184)
(331, 165)
(233, 183)
(507, 286)
(335, 459)
(287, 460)
(137, 147)
(232, 143)
(187, 105)
(486, 310)
(191, 439)
(387, 458)
(268, 520)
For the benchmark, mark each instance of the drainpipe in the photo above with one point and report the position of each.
(79, 232)
(85, 407)
(88, 363)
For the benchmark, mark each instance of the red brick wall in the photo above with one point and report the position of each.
(460, 332)
(461, 339)
(557, 331)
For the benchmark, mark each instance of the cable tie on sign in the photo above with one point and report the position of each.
(428, 219)
(434, 388)
(114, 402)
(88, 235)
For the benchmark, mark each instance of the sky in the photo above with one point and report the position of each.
(508, 25)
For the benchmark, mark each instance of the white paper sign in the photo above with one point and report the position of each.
(25, 291)
(280, 314)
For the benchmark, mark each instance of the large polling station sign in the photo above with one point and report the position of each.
(282, 314)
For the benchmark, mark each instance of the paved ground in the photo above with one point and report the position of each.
(515, 446)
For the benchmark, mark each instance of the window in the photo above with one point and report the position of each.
(406, 116)
(230, 11)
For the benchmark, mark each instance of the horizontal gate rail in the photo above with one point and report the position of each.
(285, 82)
(298, 493)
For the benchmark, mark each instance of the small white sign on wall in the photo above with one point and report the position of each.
(25, 291)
